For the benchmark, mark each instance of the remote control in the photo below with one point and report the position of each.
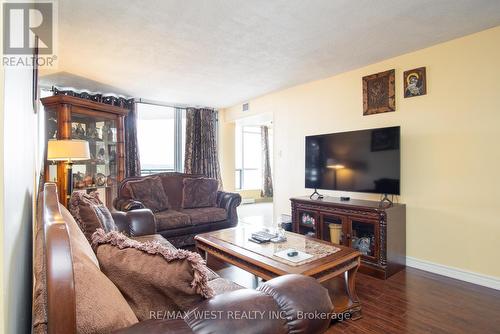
(257, 241)
(263, 235)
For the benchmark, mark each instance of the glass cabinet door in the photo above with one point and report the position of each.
(51, 134)
(307, 222)
(364, 236)
(332, 229)
(100, 171)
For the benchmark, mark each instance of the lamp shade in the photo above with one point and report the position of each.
(68, 150)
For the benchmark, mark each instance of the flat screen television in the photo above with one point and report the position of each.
(360, 161)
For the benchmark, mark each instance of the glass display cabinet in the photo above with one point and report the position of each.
(102, 126)
(364, 237)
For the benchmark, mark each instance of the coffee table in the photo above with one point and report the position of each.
(334, 266)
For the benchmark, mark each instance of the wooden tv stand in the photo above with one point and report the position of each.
(378, 233)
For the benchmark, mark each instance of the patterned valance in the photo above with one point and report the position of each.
(107, 99)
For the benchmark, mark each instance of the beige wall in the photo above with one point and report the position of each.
(18, 182)
(250, 193)
(449, 149)
(17, 150)
(2, 294)
(2, 291)
(226, 152)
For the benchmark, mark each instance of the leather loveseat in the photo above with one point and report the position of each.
(60, 261)
(176, 222)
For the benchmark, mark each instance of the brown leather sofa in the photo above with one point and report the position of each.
(177, 224)
(281, 301)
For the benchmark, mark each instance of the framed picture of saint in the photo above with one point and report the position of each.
(379, 93)
(415, 82)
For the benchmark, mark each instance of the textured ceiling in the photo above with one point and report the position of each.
(222, 52)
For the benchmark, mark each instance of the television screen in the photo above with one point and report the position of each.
(363, 161)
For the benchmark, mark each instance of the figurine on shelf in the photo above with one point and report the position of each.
(112, 155)
(110, 180)
(364, 245)
(100, 179)
(78, 131)
(101, 155)
(78, 180)
(110, 134)
(88, 181)
(93, 134)
(308, 220)
(52, 128)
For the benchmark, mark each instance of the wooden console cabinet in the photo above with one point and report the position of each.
(378, 233)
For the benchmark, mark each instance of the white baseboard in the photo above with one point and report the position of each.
(460, 274)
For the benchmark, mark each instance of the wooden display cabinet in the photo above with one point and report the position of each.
(102, 125)
(379, 233)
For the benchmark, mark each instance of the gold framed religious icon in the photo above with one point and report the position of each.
(415, 82)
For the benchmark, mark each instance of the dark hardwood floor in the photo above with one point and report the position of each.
(412, 301)
(415, 301)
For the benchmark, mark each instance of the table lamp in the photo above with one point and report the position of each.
(68, 150)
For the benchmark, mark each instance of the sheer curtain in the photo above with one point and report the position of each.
(267, 180)
(201, 143)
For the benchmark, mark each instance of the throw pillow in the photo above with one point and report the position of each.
(100, 307)
(149, 191)
(199, 192)
(151, 276)
(90, 213)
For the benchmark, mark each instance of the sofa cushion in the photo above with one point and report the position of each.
(90, 213)
(152, 277)
(199, 192)
(169, 219)
(149, 191)
(172, 184)
(100, 307)
(205, 215)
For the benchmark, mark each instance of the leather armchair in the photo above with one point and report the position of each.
(229, 201)
(135, 223)
(278, 306)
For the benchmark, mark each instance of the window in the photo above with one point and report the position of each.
(248, 156)
(161, 138)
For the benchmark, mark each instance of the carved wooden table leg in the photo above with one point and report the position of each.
(350, 284)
